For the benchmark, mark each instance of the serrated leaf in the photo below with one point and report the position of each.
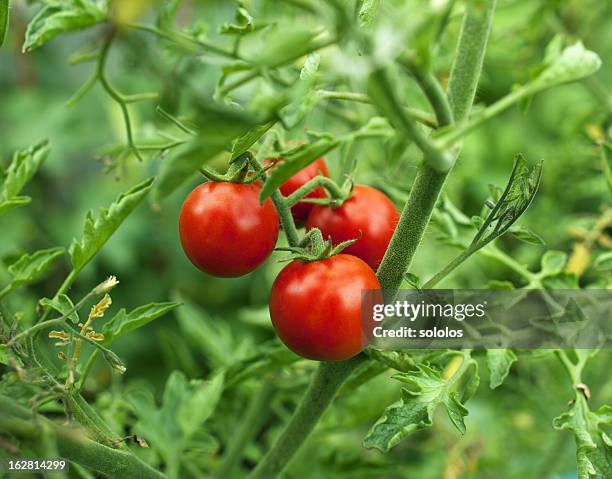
(515, 199)
(99, 228)
(23, 167)
(573, 63)
(499, 362)
(416, 407)
(124, 322)
(4, 19)
(295, 160)
(593, 450)
(63, 305)
(60, 16)
(552, 263)
(562, 280)
(30, 266)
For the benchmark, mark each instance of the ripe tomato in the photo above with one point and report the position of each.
(301, 210)
(316, 307)
(367, 210)
(225, 231)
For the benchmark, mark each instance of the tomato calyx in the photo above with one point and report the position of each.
(314, 248)
(242, 169)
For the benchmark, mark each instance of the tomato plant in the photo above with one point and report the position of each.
(316, 307)
(225, 231)
(485, 122)
(367, 215)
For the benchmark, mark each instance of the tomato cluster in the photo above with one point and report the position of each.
(315, 306)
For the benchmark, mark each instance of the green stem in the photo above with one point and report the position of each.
(335, 192)
(115, 95)
(494, 252)
(419, 115)
(285, 217)
(454, 263)
(254, 416)
(322, 390)
(62, 290)
(433, 91)
(330, 376)
(382, 93)
(429, 182)
(73, 444)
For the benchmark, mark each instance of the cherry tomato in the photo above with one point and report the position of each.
(368, 211)
(316, 307)
(301, 210)
(225, 231)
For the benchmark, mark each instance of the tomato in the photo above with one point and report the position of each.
(368, 211)
(225, 231)
(316, 307)
(301, 210)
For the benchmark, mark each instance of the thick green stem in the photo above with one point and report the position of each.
(322, 390)
(255, 415)
(73, 444)
(428, 183)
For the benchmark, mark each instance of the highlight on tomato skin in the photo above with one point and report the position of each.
(316, 307)
(224, 230)
(301, 210)
(368, 215)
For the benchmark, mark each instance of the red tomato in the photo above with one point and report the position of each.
(316, 307)
(225, 231)
(367, 210)
(301, 210)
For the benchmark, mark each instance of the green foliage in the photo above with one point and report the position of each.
(61, 16)
(24, 166)
(30, 267)
(99, 228)
(4, 19)
(499, 362)
(415, 410)
(123, 322)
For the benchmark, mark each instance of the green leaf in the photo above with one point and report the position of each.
(604, 261)
(63, 305)
(562, 280)
(526, 235)
(97, 230)
(606, 160)
(593, 446)
(416, 407)
(244, 23)
(4, 359)
(4, 19)
(8, 205)
(199, 406)
(552, 263)
(283, 45)
(367, 12)
(30, 266)
(242, 144)
(60, 16)
(515, 199)
(295, 160)
(311, 66)
(572, 63)
(124, 322)
(218, 128)
(24, 166)
(499, 362)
